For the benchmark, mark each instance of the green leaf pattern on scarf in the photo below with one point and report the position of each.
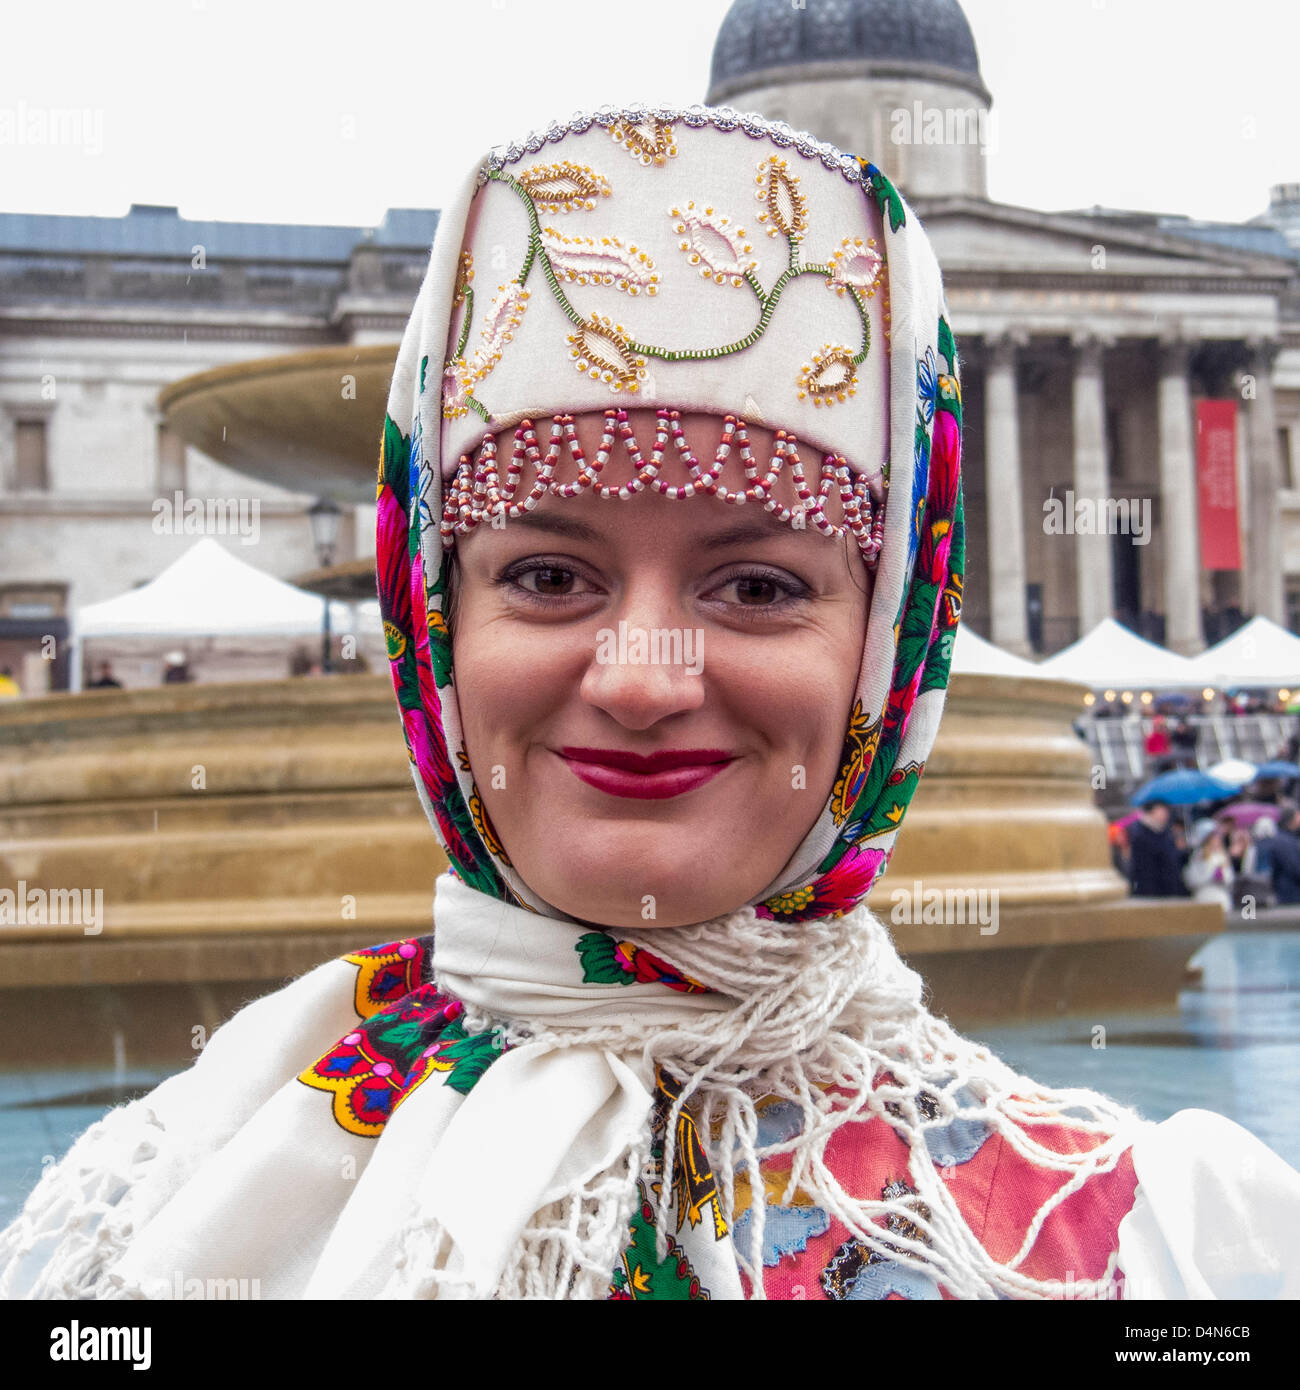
(641, 1274)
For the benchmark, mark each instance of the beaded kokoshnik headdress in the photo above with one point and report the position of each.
(703, 263)
(720, 302)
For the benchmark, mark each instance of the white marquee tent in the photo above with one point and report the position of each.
(1111, 657)
(971, 653)
(208, 592)
(1259, 654)
(211, 593)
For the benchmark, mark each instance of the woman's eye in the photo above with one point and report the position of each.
(551, 581)
(755, 589)
(540, 581)
(759, 590)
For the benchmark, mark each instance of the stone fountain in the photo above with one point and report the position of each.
(241, 833)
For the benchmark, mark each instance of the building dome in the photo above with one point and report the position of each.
(761, 41)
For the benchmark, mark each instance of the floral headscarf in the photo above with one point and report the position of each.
(907, 650)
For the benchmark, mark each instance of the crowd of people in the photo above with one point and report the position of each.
(1216, 860)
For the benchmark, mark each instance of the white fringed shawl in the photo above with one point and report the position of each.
(524, 1186)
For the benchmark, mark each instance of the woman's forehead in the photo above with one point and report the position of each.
(701, 527)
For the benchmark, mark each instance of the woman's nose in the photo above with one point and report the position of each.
(643, 669)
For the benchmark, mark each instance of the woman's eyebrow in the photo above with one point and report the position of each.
(745, 533)
(562, 525)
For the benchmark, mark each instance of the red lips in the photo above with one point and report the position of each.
(653, 762)
(653, 776)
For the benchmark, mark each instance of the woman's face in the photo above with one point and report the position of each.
(703, 635)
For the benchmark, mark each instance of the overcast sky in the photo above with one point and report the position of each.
(286, 111)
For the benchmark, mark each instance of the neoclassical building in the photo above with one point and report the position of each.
(1091, 340)
(97, 315)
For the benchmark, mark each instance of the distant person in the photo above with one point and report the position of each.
(176, 669)
(105, 680)
(9, 688)
(1158, 747)
(1238, 841)
(300, 662)
(1119, 847)
(1267, 790)
(1285, 856)
(1259, 857)
(1184, 739)
(1155, 861)
(1255, 879)
(1208, 872)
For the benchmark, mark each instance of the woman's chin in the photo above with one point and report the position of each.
(620, 912)
(631, 894)
(643, 870)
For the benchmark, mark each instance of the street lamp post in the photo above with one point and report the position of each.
(325, 516)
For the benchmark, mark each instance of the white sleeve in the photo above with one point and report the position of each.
(1216, 1214)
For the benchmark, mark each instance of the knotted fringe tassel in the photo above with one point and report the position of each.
(826, 1014)
(829, 1004)
(569, 1250)
(83, 1207)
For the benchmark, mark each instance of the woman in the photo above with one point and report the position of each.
(1209, 872)
(1158, 746)
(671, 552)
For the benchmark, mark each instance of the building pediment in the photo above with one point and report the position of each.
(999, 240)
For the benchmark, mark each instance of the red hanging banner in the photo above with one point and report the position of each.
(1216, 484)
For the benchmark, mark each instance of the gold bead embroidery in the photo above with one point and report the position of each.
(696, 227)
(778, 191)
(711, 241)
(600, 350)
(831, 376)
(586, 260)
(464, 275)
(564, 187)
(650, 141)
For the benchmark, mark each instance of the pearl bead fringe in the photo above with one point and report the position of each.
(478, 492)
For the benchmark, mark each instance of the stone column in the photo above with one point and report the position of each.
(1263, 585)
(1006, 523)
(1094, 570)
(172, 456)
(1179, 517)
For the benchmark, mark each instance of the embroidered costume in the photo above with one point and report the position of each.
(760, 1105)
